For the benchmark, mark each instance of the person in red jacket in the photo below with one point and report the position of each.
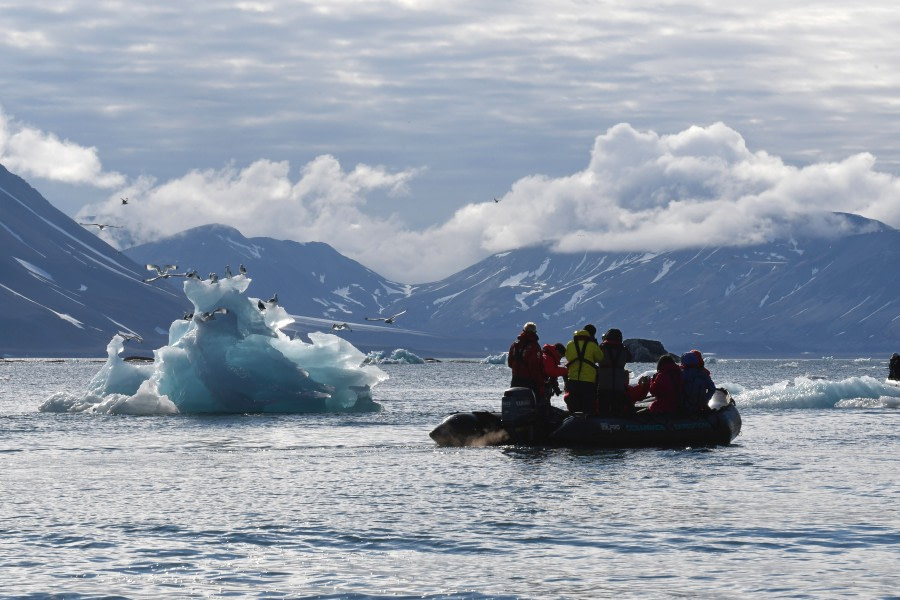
(665, 386)
(552, 355)
(527, 362)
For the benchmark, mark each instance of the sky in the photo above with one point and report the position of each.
(418, 137)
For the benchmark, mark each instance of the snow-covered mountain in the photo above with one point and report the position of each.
(822, 297)
(65, 292)
(312, 280)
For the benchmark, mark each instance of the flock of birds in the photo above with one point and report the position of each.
(167, 271)
(102, 226)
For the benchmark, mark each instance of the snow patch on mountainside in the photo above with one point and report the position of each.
(667, 264)
(63, 316)
(252, 250)
(855, 307)
(344, 292)
(442, 300)
(37, 272)
(518, 278)
(577, 297)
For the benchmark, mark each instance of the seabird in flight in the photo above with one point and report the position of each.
(101, 226)
(340, 327)
(124, 200)
(387, 320)
(161, 272)
(131, 336)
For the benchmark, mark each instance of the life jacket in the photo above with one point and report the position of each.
(611, 374)
(582, 356)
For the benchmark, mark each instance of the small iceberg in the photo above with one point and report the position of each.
(396, 357)
(230, 356)
(496, 359)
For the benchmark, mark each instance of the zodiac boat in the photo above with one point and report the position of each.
(522, 422)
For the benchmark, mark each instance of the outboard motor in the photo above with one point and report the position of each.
(519, 414)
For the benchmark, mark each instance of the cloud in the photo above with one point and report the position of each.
(702, 186)
(32, 152)
(326, 202)
(640, 191)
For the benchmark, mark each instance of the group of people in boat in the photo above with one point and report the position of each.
(596, 380)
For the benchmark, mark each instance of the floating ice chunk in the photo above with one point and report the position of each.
(396, 357)
(805, 392)
(118, 376)
(495, 359)
(230, 356)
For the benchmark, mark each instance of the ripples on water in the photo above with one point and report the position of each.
(802, 505)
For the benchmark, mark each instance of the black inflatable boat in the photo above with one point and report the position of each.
(522, 422)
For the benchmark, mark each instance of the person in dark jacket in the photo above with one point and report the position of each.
(612, 377)
(526, 361)
(582, 355)
(894, 367)
(697, 384)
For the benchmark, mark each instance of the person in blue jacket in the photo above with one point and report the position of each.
(697, 384)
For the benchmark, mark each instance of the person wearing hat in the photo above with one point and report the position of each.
(582, 355)
(697, 386)
(612, 377)
(527, 362)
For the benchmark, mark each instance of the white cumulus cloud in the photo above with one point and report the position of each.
(32, 152)
(640, 191)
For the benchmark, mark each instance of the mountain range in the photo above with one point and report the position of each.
(64, 291)
(792, 297)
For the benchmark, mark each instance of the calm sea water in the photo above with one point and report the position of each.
(804, 504)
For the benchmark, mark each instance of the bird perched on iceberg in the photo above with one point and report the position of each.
(270, 302)
(210, 315)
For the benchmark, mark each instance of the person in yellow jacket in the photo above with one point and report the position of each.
(582, 355)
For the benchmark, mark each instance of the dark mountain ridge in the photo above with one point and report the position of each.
(65, 292)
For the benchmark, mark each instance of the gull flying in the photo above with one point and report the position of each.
(162, 272)
(101, 226)
(387, 320)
